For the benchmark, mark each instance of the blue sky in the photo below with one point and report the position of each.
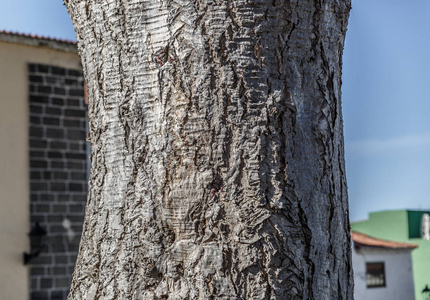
(386, 85)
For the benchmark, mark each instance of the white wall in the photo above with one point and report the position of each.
(14, 159)
(398, 274)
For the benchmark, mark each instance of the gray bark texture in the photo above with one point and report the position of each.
(217, 166)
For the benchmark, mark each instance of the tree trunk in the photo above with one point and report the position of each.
(217, 166)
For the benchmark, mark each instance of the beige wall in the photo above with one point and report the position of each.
(14, 169)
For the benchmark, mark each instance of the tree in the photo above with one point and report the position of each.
(217, 150)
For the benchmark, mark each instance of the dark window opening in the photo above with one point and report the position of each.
(375, 274)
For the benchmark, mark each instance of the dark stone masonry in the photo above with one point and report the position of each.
(58, 179)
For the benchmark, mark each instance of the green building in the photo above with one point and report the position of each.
(403, 226)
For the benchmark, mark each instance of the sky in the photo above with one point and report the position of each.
(385, 93)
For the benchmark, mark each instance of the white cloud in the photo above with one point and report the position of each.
(377, 146)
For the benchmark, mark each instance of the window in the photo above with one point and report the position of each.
(375, 274)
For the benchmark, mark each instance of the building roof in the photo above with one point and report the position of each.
(37, 40)
(362, 240)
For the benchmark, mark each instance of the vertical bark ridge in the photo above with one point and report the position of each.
(217, 153)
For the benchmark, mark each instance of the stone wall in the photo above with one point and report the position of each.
(58, 179)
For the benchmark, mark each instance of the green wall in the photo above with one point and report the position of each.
(402, 226)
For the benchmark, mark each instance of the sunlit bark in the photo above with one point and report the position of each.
(217, 150)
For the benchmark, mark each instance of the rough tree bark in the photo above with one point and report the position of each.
(217, 150)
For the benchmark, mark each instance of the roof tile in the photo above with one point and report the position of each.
(361, 240)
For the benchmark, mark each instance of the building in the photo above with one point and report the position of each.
(382, 269)
(406, 226)
(43, 163)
